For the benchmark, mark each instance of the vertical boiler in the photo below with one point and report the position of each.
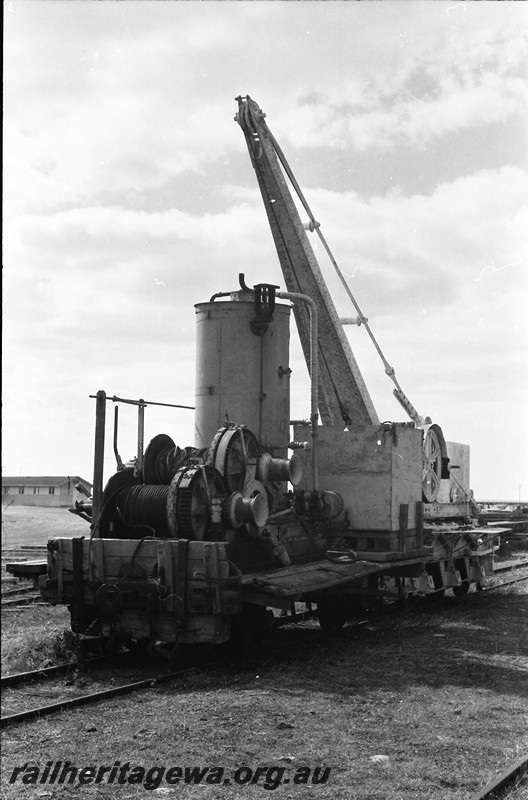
(242, 376)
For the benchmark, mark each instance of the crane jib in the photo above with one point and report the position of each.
(343, 395)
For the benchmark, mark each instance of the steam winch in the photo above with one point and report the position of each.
(199, 494)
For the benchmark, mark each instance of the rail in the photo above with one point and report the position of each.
(505, 780)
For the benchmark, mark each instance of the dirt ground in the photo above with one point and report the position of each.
(429, 703)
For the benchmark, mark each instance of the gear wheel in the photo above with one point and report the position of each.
(189, 501)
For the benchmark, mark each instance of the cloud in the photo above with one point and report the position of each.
(457, 104)
(98, 270)
(121, 282)
(105, 96)
(425, 249)
(427, 81)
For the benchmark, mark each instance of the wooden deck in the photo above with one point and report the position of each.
(292, 582)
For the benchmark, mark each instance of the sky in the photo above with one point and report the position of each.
(129, 196)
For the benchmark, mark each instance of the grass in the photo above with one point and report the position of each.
(26, 525)
(35, 637)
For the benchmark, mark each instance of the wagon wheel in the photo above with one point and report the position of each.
(432, 466)
(331, 613)
(253, 625)
(439, 588)
(463, 588)
(460, 591)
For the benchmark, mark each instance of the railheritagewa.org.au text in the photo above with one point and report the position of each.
(151, 778)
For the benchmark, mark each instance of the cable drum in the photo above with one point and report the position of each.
(184, 509)
(163, 458)
(143, 509)
(108, 525)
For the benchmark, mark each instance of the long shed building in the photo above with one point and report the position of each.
(51, 491)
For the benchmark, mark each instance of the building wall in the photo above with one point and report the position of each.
(50, 501)
(64, 495)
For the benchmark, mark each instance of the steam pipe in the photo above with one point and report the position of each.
(314, 373)
(141, 434)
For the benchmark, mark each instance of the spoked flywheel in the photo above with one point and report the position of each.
(232, 450)
(432, 466)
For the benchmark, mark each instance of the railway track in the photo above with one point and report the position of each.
(94, 697)
(55, 670)
(24, 550)
(511, 565)
(23, 602)
(501, 568)
(19, 595)
(504, 583)
(21, 590)
(220, 663)
(510, 779)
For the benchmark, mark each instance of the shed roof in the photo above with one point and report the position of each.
(42, 480)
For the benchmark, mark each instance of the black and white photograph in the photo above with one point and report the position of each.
(264, 439)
